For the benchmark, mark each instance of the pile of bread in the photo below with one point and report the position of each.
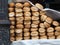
(28, 22)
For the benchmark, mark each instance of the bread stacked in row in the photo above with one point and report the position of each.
(31, 23)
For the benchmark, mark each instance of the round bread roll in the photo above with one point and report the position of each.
(18, 38)
(50, 34)
(42, 33)
(36, 22)
(43, 37)
(12, 31)
(55, 23)
(27, 4)
(18, 10)
(19, 22)
(35, 33)
(41, 30)
(19, 34)
(27, 34)
(27, 14)
(27, 18)
(34, 29)
(58, 37)
(39, 6)
(11, 4)
(34, 25)
(26, 9)
(52, 37)
(27, 22)
(12, 39)
(57, 28)
(12, 19)
(42, 12)
(42, 25)
(11, 9)
(20, 18)
(43, 17)
(35, 13)
(19, 26)
(50, 29)
(57, 33)
(11, 14)
(19, 14)
(33, 8)
(26, 29)
(35, 37)
(49, 20)
(35, 18)
(12, 27)
(12, 34)
(47, 25)
(27, 26)
(18, 30)
(26, 38)
(12, 22)
(19, 5)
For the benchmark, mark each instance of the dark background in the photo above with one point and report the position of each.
(53, 4)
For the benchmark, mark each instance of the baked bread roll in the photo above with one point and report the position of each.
(41, 30)
(26, 9)
(55, 23)
(34, 25)
(20, 18)
(12, 19)
(35, 37)
(35, 33)
(39, 6)
(49, 20)
(57, 28)
(35, 18)
(35, 13)
(18, 30)
(11, 14)
(11, 9)
(19, 26)
(57, 33)
(19, 34)
(33, 8)
(58, 37)
(34, 29)
(18, 10)
(12, 27)
(36, 22)
(27, 34)
(42, 12)
(26, 29)
(19, 5)
(27, 18)
(27, 14)
(12, 39)
(27, 26)
(43, 37)
(42, 33)
(11, 4)
(19, 14)
(50, 34)
(12, 31)
(26, 38)
(52, 37)
(19, 22)
(18, 38)
(12, 22)
(27, 22)
(42, 25)
(47, 25)
(12, 34)
(27, 4)
(43, 17)
(50, 29)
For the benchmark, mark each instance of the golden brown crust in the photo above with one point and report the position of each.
(11, 9)
(18, 38)
(27, 14)
(12, 39)
(27, 26)
(35, 37)
(18, 30)
(19, 26)
(35, 13)
(27, 34)
(12, 19)
(43, 37)
(34, 25)
(18, 10)
(42, 30)
(35, 18)
(19, 34)
(12, 27)
(27, 18)
(57, 28)
(26, 29)
(11, 4)
(42, 33)
(42, 25)
(50, 34)
(34, 29)
(52, 37)
(27, 38)
(12, 31)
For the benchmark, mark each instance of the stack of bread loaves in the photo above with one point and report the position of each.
(28, 22)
